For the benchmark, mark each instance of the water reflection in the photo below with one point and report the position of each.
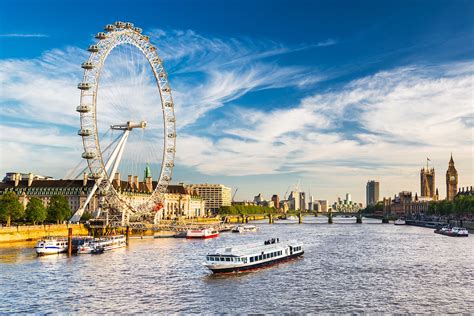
(346, 268)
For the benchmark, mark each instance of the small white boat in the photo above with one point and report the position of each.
(292, 218)
(51, 245)
(202, 233)
(400, 221)
(252, 256)
(452, 231)
(99, 245)
(244, 228)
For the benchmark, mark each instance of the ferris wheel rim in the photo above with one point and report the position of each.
(116, 35)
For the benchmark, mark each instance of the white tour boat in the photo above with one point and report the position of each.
(51, 245)
(244, 228)
(400, 221)
(202, 233)
(452, 231)
(252, 256)
(99, 245)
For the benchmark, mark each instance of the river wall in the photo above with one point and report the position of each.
(26, 233)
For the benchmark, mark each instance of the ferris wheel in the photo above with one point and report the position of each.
(134, 102)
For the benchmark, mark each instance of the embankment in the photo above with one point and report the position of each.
(25, 233)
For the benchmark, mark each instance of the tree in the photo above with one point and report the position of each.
(10, 208)
(58, 209)
(35, 211)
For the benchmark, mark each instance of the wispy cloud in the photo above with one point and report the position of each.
(328, 42)
(24, 35)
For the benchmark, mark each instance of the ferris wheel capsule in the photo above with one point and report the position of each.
(119, 24)
(93, 48)
(101, 36)
(87, 65)
(137, 29)
(109, 28)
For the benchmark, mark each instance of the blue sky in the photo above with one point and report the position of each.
(268, 94)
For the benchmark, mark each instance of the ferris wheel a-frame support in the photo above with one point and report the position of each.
(114, 159)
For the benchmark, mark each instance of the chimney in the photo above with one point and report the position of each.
(30, 179)
(130, 181)
(135, 182)
(17, 179)
(84, 179)
(117, 182)
(149, 184)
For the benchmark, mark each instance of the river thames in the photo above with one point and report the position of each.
(377, 268)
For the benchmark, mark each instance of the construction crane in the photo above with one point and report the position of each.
(233, 196)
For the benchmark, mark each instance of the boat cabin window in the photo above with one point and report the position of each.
(260, 257)
(227, 259)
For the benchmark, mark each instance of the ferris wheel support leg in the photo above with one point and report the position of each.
(113, 157)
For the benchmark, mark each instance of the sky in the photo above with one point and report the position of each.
(269, 95)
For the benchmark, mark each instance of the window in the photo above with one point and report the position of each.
(260, 257)
(251, 259)
(227, 259)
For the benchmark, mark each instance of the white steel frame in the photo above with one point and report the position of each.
(120, 34)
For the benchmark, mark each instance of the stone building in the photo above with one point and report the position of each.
(427, 182)
(178, 200)
(405, 204)
(451, 180)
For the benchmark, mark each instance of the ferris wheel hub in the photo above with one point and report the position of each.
(129, 126)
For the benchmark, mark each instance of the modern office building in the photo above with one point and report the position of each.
(372, 191)
(215, 195)
(276, 201)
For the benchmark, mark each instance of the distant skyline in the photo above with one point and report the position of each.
(268, 94)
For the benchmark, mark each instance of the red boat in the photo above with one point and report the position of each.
(202, 233)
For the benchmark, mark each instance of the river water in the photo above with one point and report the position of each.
(346, 268)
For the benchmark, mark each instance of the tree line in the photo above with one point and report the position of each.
(460, 206)
(11, 210)
(245, 209)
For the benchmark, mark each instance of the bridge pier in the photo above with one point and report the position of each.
(300, 218)
(385, 220)
(359, 219)
(127, 235)
(69, 241)
(330, 218)
(270, 218)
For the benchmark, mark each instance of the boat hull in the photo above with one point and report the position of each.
(256, 265)
(44, 251)
(203, 237)
(449, 234)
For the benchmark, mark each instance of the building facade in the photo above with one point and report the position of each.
(427, 182)
(215, 195)
(406, 205)
(178, 201)
(372, 191)
(451, 181)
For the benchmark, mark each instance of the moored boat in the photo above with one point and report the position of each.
(400, 221)
(452, 231)
(244, 228)
(51, 245)
(202, 233)
(99, 245)
(252, 256)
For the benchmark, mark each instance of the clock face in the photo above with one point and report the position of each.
(452, 178)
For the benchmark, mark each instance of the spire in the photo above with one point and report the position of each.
(147, 172)
(451, 161)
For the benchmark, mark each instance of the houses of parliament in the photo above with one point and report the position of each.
(428, 184)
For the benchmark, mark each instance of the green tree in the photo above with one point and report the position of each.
(10, 208)
(58, 209)
(35, 211)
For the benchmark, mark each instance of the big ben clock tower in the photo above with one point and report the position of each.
(451, 180)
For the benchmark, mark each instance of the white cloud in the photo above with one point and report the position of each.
(23, 35)
(378, 126)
